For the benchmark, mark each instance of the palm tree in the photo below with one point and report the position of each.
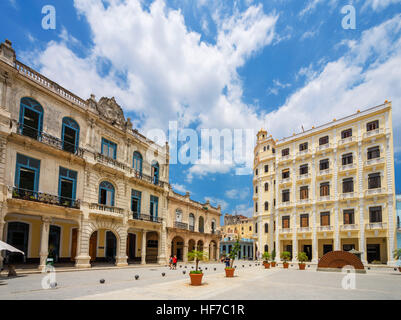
(397, 254)
(197, 256)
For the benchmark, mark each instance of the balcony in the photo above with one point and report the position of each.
(304, 153)
(285, 230)
(285, 181)
(375, 162)
(192, 228)
(145, 217)
(376, 226)
(110, 162)
(374, 133)
(325, 173)
(347, 167)
(348, 195)
(49, 140)
(325, 199)
(285, 158)
(375, 192)
(105, 208)
(347, 141)
(324, 148)
(346, 227)
(46, 198)
(180, 225)
(303, 202)
(325, 228)
(303, 177)
(286, 204)
(304, 229)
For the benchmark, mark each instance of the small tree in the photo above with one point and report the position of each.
(274, 255)
(234, 252)
(197, 256)
(302, 257)
(397, 254)
(285, 256)
(266, 256)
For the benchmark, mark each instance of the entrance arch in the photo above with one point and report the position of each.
(177, 248)
(199, 245)
(152, 247)
(191, 245)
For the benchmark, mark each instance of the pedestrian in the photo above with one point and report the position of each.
(170, 262)
(227, 261)
(175, 262)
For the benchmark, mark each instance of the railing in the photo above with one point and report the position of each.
(146, 217)
(180, 225)
(45, 82)
(348, 167)
(347, 140)
(370, 192)
(374, 161)
(304, 176)
(109, 161)
(285, 180)
(348, 195)
(285, 204)
(324, 172)
(303, 201)
(192, 228)
(325, 228)
(349, 227)
(48, 139)
(29, 195)
(284, 158)
(304, 229)
(324, 198)
(303, 152)
(376, 225)
(103, 207)
(324, 147)
(285, 230)
(372, 133)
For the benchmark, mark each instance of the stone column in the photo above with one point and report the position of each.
(122, 258)
(162, 243)
(294, 238)
(362, 241)
(185, 257)
(315, 251)
(44, 243)
(143, 250)
(82, 260)
(2, 224)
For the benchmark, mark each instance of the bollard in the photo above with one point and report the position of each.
(163, 274)
(102, 281)
(136, 277)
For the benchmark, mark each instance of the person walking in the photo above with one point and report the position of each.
(175, 262)
(227, 262)
(170, 262)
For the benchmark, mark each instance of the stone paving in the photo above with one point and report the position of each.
(250, 283)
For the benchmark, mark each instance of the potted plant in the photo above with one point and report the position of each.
(397, 255)
(266, 258)
(273, 258)
(232, 255)
(302, 258)
(285, 256)
(196, 275)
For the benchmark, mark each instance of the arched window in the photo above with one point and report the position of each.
(30, 118)
(266, 206)
(191, 222)
(137, 163)
(213, 226)
(178, 215)
(266, 228)
(266, 186)
(155, 172)
(70, 135)
(106, 194)
(266, 248)
(201, 224)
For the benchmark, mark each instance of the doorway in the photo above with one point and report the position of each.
(93, 246)
(289, 249)
(131, 248)
(308, 251)
(17, 236)
(111, 246)
(327, 248)
(54, 242)
(74, 242)
(373, 252)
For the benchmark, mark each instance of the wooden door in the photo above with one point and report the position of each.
(74, 241)
(92, 246)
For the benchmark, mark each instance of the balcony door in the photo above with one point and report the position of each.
(31, 118)
(136, 204)
(106, 194)
(154, 204)
(70, 135)
(373, 252)
(67, 186)
(27, 175)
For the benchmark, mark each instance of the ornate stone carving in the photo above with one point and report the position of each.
(110, 111)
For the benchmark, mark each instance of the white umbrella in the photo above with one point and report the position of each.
(6, 246)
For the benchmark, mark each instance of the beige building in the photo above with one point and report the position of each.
(237, 225)
(328, 188)
(77, 180)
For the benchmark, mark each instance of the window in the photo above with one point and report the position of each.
(213, 226)
(303, 169)
(154, 207)
(347, 159)
(324, 189)
(136, 197)
(106, 194)
(178, 215)
(137, 162)
(348, 185)
(256, 172)
(346, 134)
(266, 168)
(109, 149)
(325, 218)
(155, 172)
(30, 118)
(304, 220)
(286, 173)
(266, 248)
(273, 150)
(323, 140)
(349, 216)
(67, 185)
(264, 148)
(286, 222)
(256, 189)
(373, 153)
(374, 181)
(375, 214)
(266, 206)
(256, 228)
(304, 193)
(250, 228)
(286, 195)
(191, 222)
(303, 146)
(256, 207)
(266, 186)
(266, 228)
(274, 202)
(372, 125)
(27, 174)
(70, 135)
(285, 152)
(324, 164)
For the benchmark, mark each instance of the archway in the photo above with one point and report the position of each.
(152, 247)
(111, 247)
(199, 245)
(104, 246)
(191, 245)
(131, 247)
(177, 248)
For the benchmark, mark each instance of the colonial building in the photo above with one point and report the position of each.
(78, 181)
(328, 188)
(192, 225)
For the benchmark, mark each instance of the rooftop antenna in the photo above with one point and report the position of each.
(303, 130)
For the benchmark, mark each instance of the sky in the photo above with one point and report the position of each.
(219, 65)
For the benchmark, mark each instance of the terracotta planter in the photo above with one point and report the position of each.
(196, 279)
(273, 264)
(230, 273)
(285, 265)
(399, 269)
(302, 266)
(267, 265)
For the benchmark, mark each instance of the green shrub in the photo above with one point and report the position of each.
(266, 256)
(302, 257)
(285, 256)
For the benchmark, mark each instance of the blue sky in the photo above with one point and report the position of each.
(278, 64)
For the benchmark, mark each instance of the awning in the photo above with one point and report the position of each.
(6, 246)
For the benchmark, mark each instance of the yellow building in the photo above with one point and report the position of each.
(237, 225)
(328, 188)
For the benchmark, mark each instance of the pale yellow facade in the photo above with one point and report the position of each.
(336, 194)
(243, 229)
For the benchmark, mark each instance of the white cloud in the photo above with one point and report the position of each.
(201, 170)
(179, 187)
(310, 7)
(380, 4)
(216, 202)
(241, 194)
(277, 85)
(244, 209)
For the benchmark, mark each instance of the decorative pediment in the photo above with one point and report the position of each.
(110, 111)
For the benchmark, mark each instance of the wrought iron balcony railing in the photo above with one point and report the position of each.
(103, 207)
(180, 225)
(29, 195)
(146, 217)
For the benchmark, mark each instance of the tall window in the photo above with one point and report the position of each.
(303, 169)
(155, 172)
(286, 195)
(154, 207)
(374, 181)
(349, 216)
(266, 168)
(304, 220)
(256, 189)
(303, 146)
(375, 214)
(67, 185)
(348, 185)
(304, 193)
(285, 152)
(286, 222)
(373, 153)
(266, 206)
(178, 215)
(372, 125)
(286, 173)
(27, 174)
(325, 218)
(347, 159)
(70, 135)
(213, 225)
(136, 197)
(346, 134)
(323, 140)
(31, 118)
(109, 149)
(106, 194)
(191, 222)
(256, 227)
(324, 164)
(324, 189)
(201, 224)
(266, 186)
(266, 228)
(137, 162)
(256, 207)
(256, 172)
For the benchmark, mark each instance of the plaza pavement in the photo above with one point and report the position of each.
(250, 283)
